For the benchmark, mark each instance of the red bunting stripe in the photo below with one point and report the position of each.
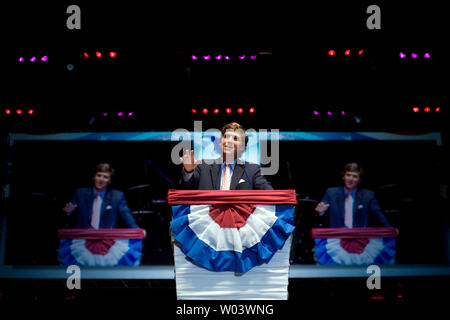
(264, 197)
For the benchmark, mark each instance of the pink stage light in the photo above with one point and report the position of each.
(253, 57)
(402, 55)
(194, 57)
(21, 59)
(218, 57)
(227, 58)
(207, 57)
(130, 114)
(316, 113)
(33, 59)
(414, 55)
(44, 58)
(120, 114)
(242, 57)
(427, 55)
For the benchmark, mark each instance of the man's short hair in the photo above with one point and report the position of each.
(234, 126)
(353, 167)
(104, 167)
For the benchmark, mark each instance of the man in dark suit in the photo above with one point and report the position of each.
(226, 172)
(350, 206)
(98, 206)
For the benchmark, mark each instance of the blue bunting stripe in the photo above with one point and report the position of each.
(386, 256)
(230, 260)
(131, 257)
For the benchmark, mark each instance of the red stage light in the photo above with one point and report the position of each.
(228, 110)
(216, 111)
(113, 54)
(331, 53)
(416, 109)
(360, 52)
(437, 109)
(19, 111)
(31, 111)
(194, 111)
(427, 109)
(86, 55)
(347, 52)
(205, 111)
(240, 110)
(98, 54)
(251, 110)
(8, 111)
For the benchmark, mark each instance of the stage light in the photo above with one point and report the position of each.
(402, 55)
(86, 55)
(343, 112)
(194, 111)
(316, 113)
(206, 57)
(253, 57)
(33, 59)
(427, 55)
(360, 52)
(44, 58)
(112, 54)
(240, 110)
(251, 110)
(7, 111)
(437, 109)
(19, 111)
(227, 58)
(21, 59)
(416, 109)
(205, 111)
(120, 114)
(98, 54)
(31, 111)
(427, 109)
(218, 57)
(331, 53)
(228, 110)
(329, 113)
(216, 111)
(130, 114)
(242, 57)
(414, 55)
(347, 52)
(105, 114)
(194, 57)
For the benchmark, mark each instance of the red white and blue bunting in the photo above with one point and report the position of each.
(355, 246)
(231, 230)
(101, 247)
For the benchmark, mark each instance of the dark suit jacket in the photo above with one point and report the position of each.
(114, 204)
(245, 177)
(363, 205)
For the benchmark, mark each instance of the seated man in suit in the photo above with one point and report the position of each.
(226, 172)
(350, 206)
(99, 206)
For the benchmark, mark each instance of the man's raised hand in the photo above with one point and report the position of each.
(189, 162)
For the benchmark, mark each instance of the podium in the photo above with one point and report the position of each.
(232, 244)
(354, 246)
(100, 247)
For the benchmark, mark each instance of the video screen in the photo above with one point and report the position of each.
(402, 174)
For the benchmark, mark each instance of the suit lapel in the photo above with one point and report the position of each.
(215, 176)
(358, 200)
(237, 174)
(106, 201)
(341, 202)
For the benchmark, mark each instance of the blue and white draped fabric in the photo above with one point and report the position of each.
(100, 247)
(356, 246)
(231, 230)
